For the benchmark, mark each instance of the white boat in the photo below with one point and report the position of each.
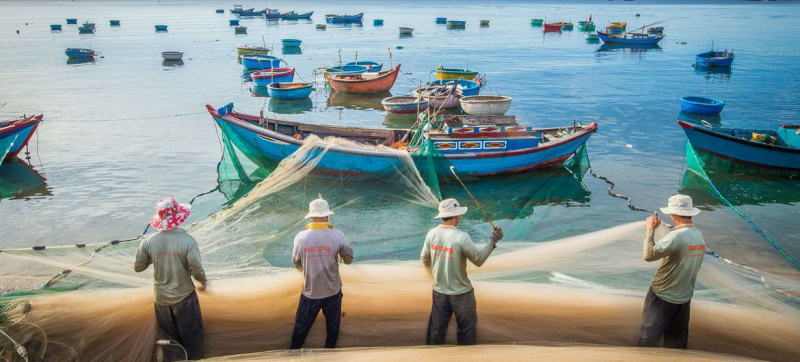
(172, 55)
(485, 105)
(406, 31)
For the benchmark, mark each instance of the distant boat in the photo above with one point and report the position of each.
(466, 87)
(289, 91)
(220, 11)
(630, 38)
(72, 21)
(263, 78)
(486, 105)
(714, 59)
(237, 9)
(240, 30)
(364, 82)
(86, 30)
(655, 30)
(55, 27)
(377, 22)
(321, 26)
(291, 42)
(114, 22)
(161, 28)
(441, 20)
(172, 55)
(251, 49)
(537, 22)
(79, 53)
(567, 26)
(615, 29)
(15, 134)
(295, 16)
(336, 18)
(593, 37)
(454, 73)
(702, 105)
(456, 24)
(757, 147)
(406, 30)
(233, 22)
(586, 25)
(553, 26)
(622, 24)
(484, 23)
(87, 24)
(370, 65)
(258, 62)
(404, 104)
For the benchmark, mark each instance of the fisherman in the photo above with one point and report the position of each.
(317, 252)
(666, 307)
(176, 259)
(446, 252)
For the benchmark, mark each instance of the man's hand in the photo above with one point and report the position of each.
(497, 234)
(200, 286)
(653, 222)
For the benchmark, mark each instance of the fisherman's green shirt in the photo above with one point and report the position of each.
(682, 251)
(175, 258)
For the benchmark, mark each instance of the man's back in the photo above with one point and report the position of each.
(317, 251)
(683, 251)
(175, 258)
(448, 250)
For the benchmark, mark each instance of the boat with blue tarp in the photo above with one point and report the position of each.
(336, 18)
(260, 61)
(289, 91)
(702, 105)
(712, 59)
(756, 147)
(473, 145)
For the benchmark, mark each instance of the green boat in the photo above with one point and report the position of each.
(586, 27)
(537, 22)
(454, 73)
(251, 49)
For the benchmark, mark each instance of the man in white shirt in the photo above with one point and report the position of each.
(317, 251)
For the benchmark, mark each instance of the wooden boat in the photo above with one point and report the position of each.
(406, 31)
(615, 29)
(377, 22)
(454, 73)
(336, 18)
(237, 9)
(655, 30)
(251, 49)
(233, 22)
(172, 55)
(295, 16)
(345, 69)
(479, 146)
(484, 23)
(258, 62)
(369, 65)
(714, 59)
(79, 53)
(466, 87)
(622, 24)
(263, 78)
(86, 30)
(441, 20)
(630, 38)
(404, 104)
(567, 26)
(55, 26)
(537, 22)
(757, 147)
(161, 28)
(553, 26)
(321, 26)
(486, 105)
(456, 24)
(114, 22)
(586, 25)
(240, 30)
(220, 11)
(88, 24)
(444, 97)
(15, 134)
(592, 37)
(72, 21)
(288, 91)
(702, 105)
(364, 82)
(291, 42)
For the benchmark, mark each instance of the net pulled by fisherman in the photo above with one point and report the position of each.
(585, 289)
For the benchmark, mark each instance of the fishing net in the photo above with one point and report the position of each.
(556, 296)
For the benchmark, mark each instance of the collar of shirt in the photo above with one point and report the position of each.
(319, 225)
(443, 226)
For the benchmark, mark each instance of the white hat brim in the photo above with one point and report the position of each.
(319, 214)
(681, 212)
(451, 213)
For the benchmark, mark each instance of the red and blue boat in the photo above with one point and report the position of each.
(15, 134)
(474, 145)
(755, 147)
(630, 38)
(263, 78)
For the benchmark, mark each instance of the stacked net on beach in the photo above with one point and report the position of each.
(586, 289)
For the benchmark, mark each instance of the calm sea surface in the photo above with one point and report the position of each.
(126, 130)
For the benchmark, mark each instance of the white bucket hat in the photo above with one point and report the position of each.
(450, 208)
(680, 205)
(318, 208)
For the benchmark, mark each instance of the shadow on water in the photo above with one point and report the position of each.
(80, 61)
(20, 180)
(713, 119)
(405, 36)
(172, 64)
(290, 106)
(357, 101)
(291, 50)
(740, 188)
(713, 73)
(346, 25)
(246, 75)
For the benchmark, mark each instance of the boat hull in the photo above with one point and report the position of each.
(14, 138)
(741, 150)
(383, 83)
(294, 16)
(370, 66)
(709, 60)
(338, 19)
(260, 62)
(650, 40)
(269, 76)
(467, 87)
(252, 50)
(275, 92)
(486, 105)
(404, 105)
(445, 73)
(79, 53)
(291, 42)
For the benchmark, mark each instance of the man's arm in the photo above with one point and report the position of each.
(652, 250)
(195, 265)
(472, 253)
(142, 260)
(346, 251)
(296, 258)
(425, 255)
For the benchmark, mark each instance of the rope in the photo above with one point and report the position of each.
(754, 270)
(133, 119)
(614, 194)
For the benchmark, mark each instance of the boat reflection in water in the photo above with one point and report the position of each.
(629, 48)
(357, 101)
(19, 180)
(712, 119)
(260, 92)
(713, 73)
(401, 121)
(80, 61)
(291, 50)
(290, 106)
(172, 63)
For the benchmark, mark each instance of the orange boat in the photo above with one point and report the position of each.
(364, 82)
(553, 26)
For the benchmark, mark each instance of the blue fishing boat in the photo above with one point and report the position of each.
(291, 42)
(336, 18)
(92, 25)
(467, 87)
(55, 26)
(483, 146)
(263, 78)
(15, 134)
(233, 22)
(567, 26)
(288, 91)
(713, 59)
(441, 20)
(377, 22)
(161, 28)
(237, 9)
(72, 21)
(114, 22)
(86, 30)
(259, 61)
(630, 38)
(295, 16)
(456, 24)
(220, 11)
(702, 105)
(756, 147)
(346, 69)
(79, 53)
(371, 66)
